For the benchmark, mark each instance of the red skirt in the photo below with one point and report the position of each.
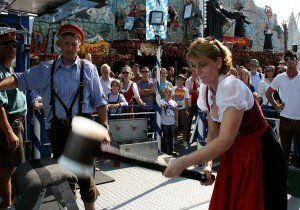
(239, 184)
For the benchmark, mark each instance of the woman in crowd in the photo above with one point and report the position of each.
(252, 173)
(245, 77)
(270, 74)
(129, 89)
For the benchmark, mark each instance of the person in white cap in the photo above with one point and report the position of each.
(255, 76)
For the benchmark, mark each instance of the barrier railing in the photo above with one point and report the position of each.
(272, 116)
(39, 130)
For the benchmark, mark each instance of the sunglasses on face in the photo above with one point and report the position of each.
(286, 59)
(125, 72)
(13, 45)
(144, 71)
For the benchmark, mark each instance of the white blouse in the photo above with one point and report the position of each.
(262, 89)
(231, 92)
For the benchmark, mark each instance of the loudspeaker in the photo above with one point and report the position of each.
(295, 47)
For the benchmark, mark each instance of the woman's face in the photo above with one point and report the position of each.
(270, 73)
(207, 69)
(125, 73)
(244, 76)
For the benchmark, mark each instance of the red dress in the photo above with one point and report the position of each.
(252, 173)
(129, 98)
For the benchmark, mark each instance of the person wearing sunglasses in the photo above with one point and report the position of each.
(13, 109)
(288, 84)
(130, 89)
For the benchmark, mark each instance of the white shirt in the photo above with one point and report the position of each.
(262, 88)
(255, 79)
(189, 83)
(289, 94)
(231, 92)
(167, 111)
(179, 95)
(106, 85)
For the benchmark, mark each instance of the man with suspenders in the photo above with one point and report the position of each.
(69, 86)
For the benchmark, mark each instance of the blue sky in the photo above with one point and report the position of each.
(283, 9)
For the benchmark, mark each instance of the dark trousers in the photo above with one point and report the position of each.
(288, 129)
(193, 111)
(270, 112)
(58, 135)
(167, 138)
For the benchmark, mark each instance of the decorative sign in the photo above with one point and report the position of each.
(268, 11)
(188, 11)
(100, 48)
(148, 49)
(240, 41)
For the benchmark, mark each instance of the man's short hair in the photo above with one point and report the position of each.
(135, 64)
(290, 54)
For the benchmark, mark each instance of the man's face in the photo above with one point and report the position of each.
(88, 57)
(291, 63)
(144, 74)
(105, 71)
(69, 46)
(253, 68)
(8, 51)
(135, 70)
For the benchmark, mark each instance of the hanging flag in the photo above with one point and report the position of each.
(268, 11)
(152, 30)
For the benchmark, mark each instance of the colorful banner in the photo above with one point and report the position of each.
(152, 30)
(100, 48)
(241, 41)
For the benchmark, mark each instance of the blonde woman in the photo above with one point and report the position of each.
(238, 134)
(245, 77)
(129, 89)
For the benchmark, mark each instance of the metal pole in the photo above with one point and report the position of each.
(37, 137)
(158, 98)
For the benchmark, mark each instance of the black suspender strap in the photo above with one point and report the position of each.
(81, 86)
(52, 102)
(78, 92)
